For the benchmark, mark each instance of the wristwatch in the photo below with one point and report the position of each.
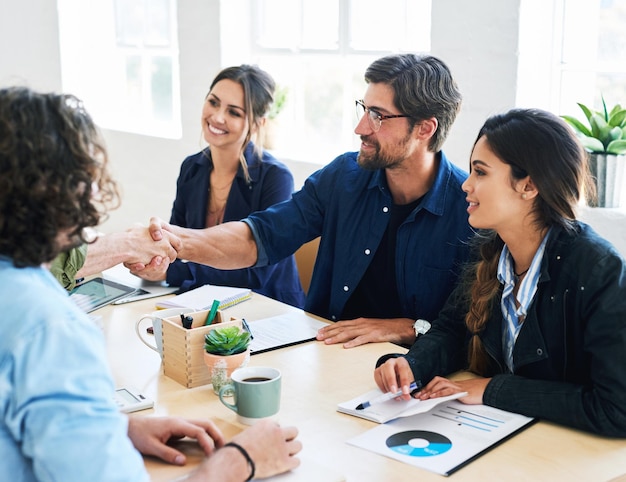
(421, 326)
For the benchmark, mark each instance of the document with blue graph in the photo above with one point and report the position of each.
(444, 439)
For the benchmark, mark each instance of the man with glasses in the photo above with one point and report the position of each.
(392, 217)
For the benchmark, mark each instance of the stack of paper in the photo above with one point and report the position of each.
(283, 330)
(202, 298)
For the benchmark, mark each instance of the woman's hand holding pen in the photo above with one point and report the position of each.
(396, 373)
(393, 375)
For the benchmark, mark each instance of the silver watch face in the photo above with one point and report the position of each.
(421, 327)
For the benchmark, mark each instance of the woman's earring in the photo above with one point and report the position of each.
(523, 195)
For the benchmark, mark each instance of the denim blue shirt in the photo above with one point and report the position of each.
(349, 208)
(270, 182)
(59, 421)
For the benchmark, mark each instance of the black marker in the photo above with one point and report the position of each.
(186, 321)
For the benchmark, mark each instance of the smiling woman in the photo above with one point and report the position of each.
(231, 178)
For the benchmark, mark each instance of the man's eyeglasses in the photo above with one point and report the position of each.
(374, 117)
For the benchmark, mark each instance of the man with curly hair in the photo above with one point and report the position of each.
(59, 420)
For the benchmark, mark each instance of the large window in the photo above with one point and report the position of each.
(318, 50)
(572, 51)
(593, 56)
(121, 58)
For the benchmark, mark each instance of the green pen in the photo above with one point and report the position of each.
(211, 316)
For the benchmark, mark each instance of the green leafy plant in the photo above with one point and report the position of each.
(227, 340)
(280, 98)
(606, 132)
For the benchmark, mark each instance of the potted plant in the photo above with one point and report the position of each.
(604, 137)
(271, 125)
(225, 349)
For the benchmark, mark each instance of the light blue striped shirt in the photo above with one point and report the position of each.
(514, 317)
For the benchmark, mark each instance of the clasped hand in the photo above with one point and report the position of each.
(170, 244)
(272, 448)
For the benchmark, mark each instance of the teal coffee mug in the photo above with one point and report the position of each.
(255, 392)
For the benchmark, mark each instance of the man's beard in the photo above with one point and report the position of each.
(382, 160)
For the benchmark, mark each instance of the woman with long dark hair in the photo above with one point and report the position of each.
(231, 178)
(540, 316)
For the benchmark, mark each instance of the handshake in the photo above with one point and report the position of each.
(148, 252)
(151, 250)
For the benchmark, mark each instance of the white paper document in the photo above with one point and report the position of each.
(391, 409)
(444, 439)
(284, 330)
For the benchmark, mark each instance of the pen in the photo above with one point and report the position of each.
(247, 328)
(212, 312)
(388, 396)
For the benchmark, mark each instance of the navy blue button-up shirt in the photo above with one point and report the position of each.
(270, 182)
(349, 208)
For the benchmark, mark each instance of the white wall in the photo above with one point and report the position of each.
(479, 42)
(478, 39)
(29, 44)
(147, 167)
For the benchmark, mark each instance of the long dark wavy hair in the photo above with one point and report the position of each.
(53, 175)
(538, 144)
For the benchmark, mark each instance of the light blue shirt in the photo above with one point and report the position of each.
(514, 317)
(59, 421)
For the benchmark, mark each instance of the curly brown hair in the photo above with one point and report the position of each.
(53, 174)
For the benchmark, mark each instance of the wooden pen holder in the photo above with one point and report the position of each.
(183, 349)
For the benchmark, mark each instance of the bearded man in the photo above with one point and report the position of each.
(392, 217)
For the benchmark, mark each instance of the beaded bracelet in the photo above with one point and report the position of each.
(247, 457)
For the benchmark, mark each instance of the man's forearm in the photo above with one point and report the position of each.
(227, 246)
(107, 251)
(135, 245)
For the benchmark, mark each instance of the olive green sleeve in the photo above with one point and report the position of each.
(66, 265)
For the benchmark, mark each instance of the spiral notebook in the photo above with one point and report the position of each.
(202, 298)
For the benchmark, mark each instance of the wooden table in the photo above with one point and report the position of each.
(315, 378)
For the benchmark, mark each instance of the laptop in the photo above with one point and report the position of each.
(142, 289)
